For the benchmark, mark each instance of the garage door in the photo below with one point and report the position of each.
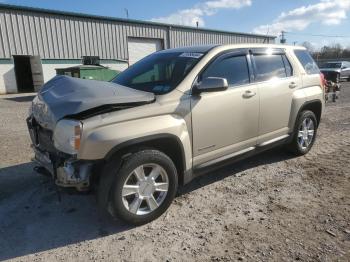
(140, 47)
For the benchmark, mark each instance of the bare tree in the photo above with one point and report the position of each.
(334, 51)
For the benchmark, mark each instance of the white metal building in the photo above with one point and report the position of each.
(34, 42)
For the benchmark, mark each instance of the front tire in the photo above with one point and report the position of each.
(304, 135)
(144, 187)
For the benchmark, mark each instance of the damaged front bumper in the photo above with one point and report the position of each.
(66, 170)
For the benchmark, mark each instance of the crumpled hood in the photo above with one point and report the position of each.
(64, 96)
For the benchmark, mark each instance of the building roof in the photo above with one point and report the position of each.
(115, 19)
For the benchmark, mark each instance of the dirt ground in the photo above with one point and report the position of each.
(271, 207)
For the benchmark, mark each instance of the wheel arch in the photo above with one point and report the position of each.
(314, 106)
(169, 144)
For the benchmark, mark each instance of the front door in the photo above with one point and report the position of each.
(225, 122)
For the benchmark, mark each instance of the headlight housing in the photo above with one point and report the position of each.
(67, 136)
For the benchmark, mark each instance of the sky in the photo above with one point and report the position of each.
(301, 19)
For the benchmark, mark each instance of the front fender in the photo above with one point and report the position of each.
(99, 141)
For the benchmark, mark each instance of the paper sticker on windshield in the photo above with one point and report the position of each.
(191, 55)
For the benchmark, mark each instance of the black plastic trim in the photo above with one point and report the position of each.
(140, 140)
(306, 104)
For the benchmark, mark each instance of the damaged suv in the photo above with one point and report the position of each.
(172, 116)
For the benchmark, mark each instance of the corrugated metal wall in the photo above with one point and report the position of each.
(57, 36)
(185, 37)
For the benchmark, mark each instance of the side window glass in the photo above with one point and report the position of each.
(308, 63)
(234, 69)
(287, 65)
(269, 67)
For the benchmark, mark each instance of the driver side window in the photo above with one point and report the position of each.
(234, 69)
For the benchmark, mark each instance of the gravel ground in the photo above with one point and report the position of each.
(269, 207)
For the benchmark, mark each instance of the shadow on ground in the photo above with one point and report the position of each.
(33, 220)
(20, 98)
(267, 157)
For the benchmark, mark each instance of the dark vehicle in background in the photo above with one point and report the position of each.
(336, 71)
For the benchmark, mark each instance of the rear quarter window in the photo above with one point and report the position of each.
(307, 62)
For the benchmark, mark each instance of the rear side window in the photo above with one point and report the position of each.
(271, 66)
(306, 60)
(234, 69)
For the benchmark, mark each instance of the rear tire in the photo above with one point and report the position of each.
(304, 134)
(144, 187)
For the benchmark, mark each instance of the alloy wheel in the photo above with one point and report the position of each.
(306, 133)
(145, 189)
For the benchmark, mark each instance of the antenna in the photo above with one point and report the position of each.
(197, 24)
(127, 13)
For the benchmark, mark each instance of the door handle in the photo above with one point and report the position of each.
(248, 94)
(293, 85)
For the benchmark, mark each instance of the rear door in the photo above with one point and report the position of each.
(276, 83)
(227, 121)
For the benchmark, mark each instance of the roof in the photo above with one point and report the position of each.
(207, 48)
(252, 45)
(115, 19)
(190, 49)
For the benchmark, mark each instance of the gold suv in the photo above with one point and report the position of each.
(173, 115)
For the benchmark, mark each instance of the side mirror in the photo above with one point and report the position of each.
(211, 84)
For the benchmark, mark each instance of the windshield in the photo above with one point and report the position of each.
(331, 65)
(158, 73)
